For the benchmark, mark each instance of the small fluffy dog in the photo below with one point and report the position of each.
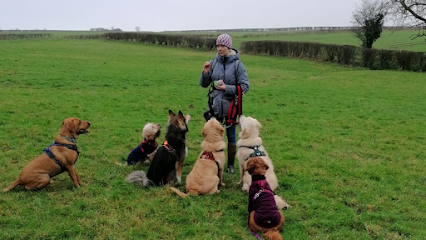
(168, 160)
(58, 158)
(207, 172)
(249, 146)
(146, 148)
(263, 213)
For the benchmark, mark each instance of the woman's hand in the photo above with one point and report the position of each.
(206, 68)
(221, 87)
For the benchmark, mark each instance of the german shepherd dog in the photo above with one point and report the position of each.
(168, 160)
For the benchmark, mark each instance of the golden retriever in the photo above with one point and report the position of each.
(250, 145)
(207, 172)
(59, 157)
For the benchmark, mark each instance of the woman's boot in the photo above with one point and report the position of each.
(232, 149)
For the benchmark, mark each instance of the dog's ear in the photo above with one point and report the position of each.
(251, 169)
(258, 125)
(171, 113)
(203, 132)
(245, 133)
(69, 124)
(187, 118)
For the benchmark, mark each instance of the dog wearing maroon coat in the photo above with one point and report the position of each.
(263, 213)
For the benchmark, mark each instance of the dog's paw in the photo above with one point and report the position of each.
(281, 203)
(222, 184)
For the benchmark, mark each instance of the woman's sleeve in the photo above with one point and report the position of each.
(243, 80)
(205, 80)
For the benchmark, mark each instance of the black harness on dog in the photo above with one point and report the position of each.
(256, 153)
(52, 156)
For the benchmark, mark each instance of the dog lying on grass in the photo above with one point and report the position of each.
(146, 148)
(207, 172)
(58, 158)
(250, 146)
(167, 164)
(263, 213)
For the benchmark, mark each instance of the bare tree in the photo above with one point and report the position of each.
(411, 12)
(137, 28)
(368, 19)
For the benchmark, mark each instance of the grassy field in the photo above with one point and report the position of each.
(347, 144)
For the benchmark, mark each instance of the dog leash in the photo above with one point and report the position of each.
(255, 234)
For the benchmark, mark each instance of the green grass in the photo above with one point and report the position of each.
(347, 144)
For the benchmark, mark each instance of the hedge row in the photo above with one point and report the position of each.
(14, 36)
(343, 54)
(160, 39)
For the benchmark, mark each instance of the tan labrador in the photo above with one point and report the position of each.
(59, 157)
(207, 172)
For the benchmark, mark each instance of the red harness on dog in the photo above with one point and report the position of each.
(209, 156)
(152, 143)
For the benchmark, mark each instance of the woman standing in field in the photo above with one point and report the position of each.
(228, 79)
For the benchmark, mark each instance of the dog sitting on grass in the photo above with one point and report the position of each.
(207, 172)
(263, 213)
(167, 164)
(147, 147)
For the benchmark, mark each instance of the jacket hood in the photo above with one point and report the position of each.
(233, 55)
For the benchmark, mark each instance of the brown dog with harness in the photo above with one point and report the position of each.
(59, 157)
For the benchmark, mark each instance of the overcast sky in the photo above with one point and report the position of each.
(166, 15)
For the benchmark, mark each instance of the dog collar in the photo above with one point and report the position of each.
(262, 185)
(69, 139)
(150, 142)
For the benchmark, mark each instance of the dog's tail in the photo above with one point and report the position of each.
(178, 192)
(273, 235)
(120, 164)
(281, 203)
(12, 186)
(139, 178)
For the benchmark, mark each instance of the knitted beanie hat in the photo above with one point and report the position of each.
(225, 40)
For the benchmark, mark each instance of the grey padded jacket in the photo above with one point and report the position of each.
(224, 69)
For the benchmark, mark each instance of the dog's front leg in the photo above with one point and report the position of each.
(179, 165)
(221, 177)
(73, 175)
(78, 177)
(241, 174)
